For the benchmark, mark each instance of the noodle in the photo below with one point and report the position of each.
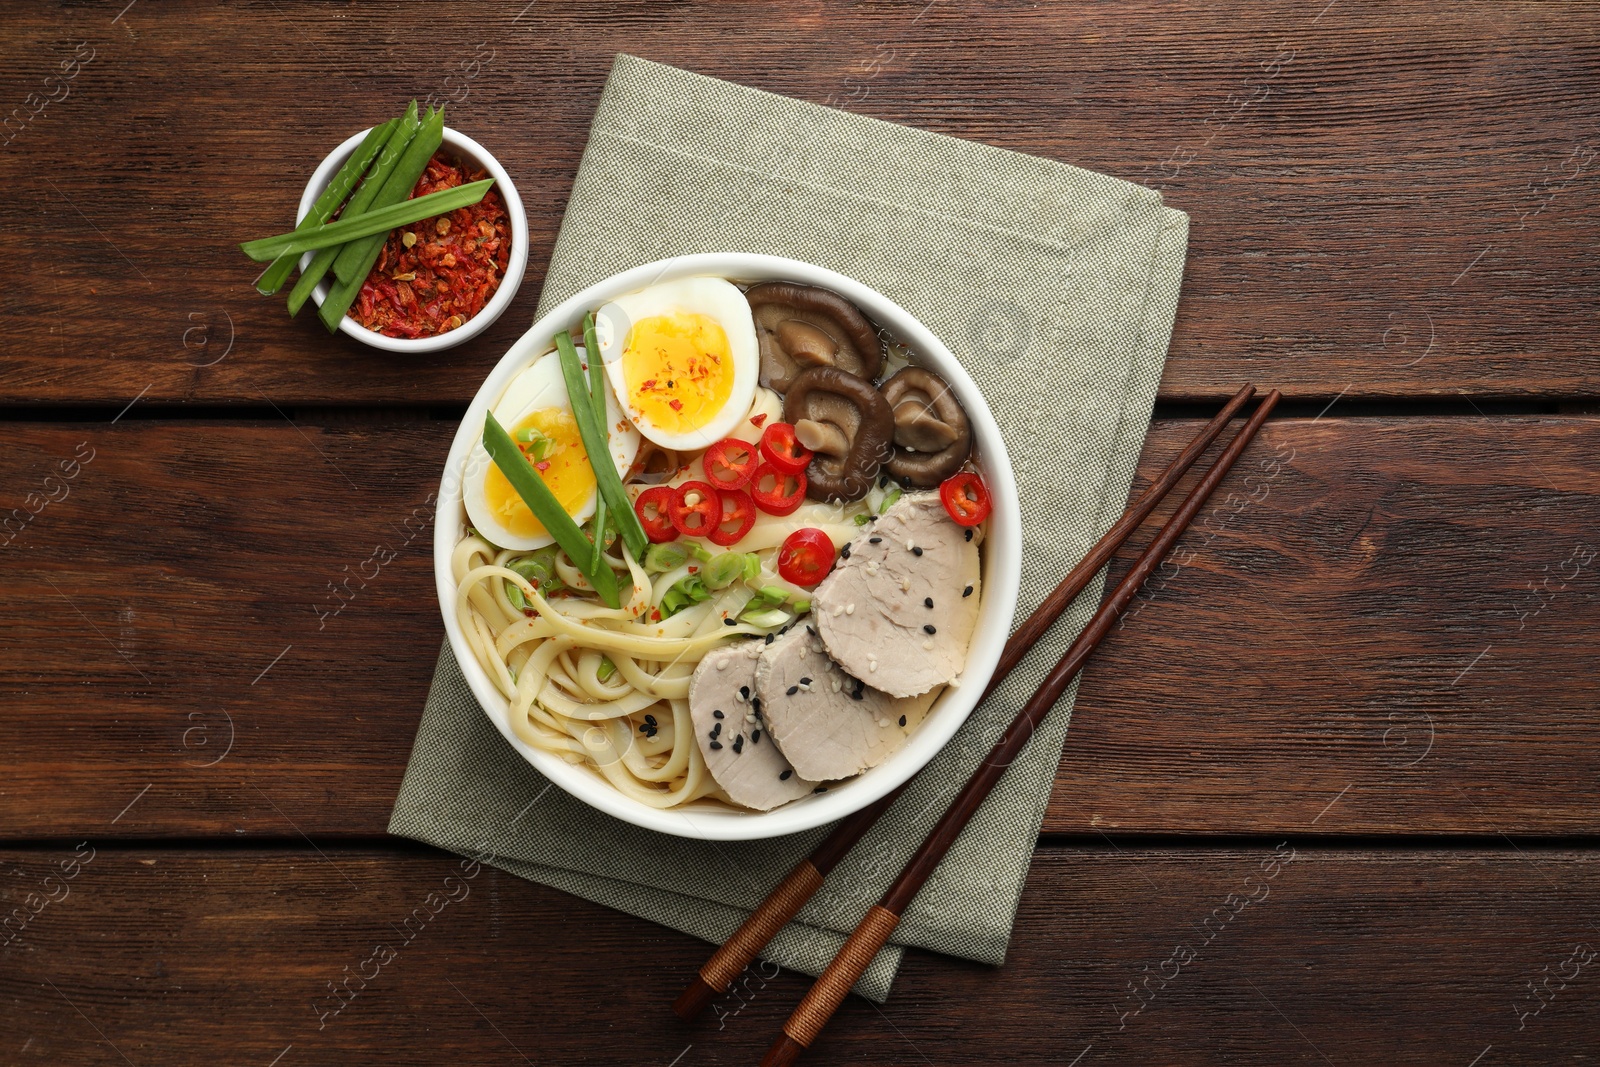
(608, 688)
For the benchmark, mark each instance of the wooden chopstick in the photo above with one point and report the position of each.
(785, 901)
(858, 951)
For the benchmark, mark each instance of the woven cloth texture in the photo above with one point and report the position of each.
(1056, 288)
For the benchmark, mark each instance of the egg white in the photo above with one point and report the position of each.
(714, 298)
(540, 385)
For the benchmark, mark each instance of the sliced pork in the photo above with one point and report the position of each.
(828, 724)
(898, 611)
(728, 728)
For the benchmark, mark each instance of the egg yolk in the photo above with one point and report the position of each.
(678, 370)
(565, 470)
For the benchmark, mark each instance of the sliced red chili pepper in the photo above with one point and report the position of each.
(783, 449)
(966, 498)
(654, 510)
(738, 515)
(695, 509)
(805, 557)
(730, 463)
(777, 492)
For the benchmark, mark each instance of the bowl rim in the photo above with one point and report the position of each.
(510, 281)
(1002, 578)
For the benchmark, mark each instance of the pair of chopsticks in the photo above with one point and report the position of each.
(873, 932)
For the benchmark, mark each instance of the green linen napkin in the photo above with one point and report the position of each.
(1055, 287)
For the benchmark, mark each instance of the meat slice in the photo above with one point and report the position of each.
(900, 609)
(728, 728)
(829, 724)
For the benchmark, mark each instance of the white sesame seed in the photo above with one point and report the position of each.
(722, 664)
(749, 718)
(849, 609)
(872, 666)
(928, 644)
(837, 685)
(872, 568)
(905, 583)
(883, 724)
(910, 544)
(837, 612)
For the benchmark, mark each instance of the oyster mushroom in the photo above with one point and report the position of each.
(801, 326)
(931, 432)
(847, 423)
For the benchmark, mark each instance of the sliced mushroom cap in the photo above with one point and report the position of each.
(847, 423)
(801, 326)
(931, 432)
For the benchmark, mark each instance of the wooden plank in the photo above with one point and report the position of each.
(1256, 956)
(1386, 200)
(1370, 639)
(1394, 635)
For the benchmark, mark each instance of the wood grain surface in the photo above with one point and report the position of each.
(1273, 954)
(1395, 614)
(1376, 656)
(1384, 202)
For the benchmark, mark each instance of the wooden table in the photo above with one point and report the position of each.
(1329, 796)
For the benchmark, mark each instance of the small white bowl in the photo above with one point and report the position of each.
(469, 151)
(1001, 573)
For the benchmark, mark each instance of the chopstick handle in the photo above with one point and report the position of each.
(831, 988)
(720, 971)
(818, 1005)
(729, 961)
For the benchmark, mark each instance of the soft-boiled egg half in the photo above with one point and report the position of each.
(682, 357)
(536, 410)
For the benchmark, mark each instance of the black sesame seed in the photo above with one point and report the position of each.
(902, 720)
(730, 622)
(769, 639)
(930, 629)
(917, 551)
(844, 553)
(755, 704)
(810, 631)
(715, 730)
(738, 744)
(716, 744)
(651, 719)
(967, 591)
(927, 601)
(744, 692)
(644, 728)
(717, 714)
(969, 533)
(793, 689)
(784, 777)
(755, 737)
(820, 789)
(805, 681)
(874, 540)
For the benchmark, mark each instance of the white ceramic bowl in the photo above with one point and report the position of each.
(471, 151)
(1001, 573)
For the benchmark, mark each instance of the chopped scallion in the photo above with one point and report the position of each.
(332, 197)
(404, 132)
(526, 481)
(591, 428)
(377, 222)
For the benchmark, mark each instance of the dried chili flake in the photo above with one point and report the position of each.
(432, 276)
